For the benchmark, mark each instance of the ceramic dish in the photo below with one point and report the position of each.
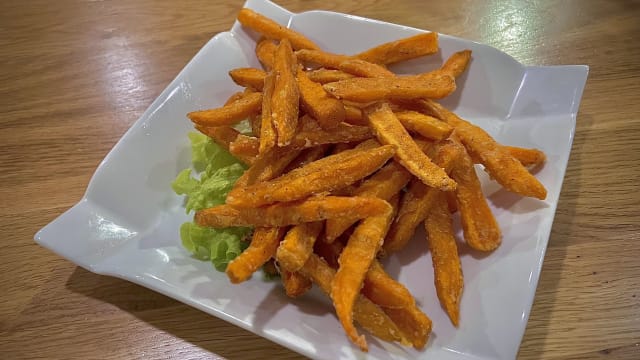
(127, 223)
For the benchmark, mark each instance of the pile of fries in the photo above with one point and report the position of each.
(346, 159)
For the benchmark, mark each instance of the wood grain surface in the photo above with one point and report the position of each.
(74, 75)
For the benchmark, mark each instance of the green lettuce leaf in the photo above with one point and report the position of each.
(217, 172)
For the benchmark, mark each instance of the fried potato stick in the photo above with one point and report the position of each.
(385, 183)
(446, 262)
(297, 245)
(365, 313)
(435, 86)
(417, 201)
(326, 110)
(412, 322)
(457, 63)
(362, 68)
(293, 213)
(402, 49)
(263, 246)
(248, 77)
(529, 158)
(226, 136)
(480, 228)
(424, 125)
(265, 52)
(267, 166)
(295, 284)
(324, 76)
(322, 58)
(329, 173)
(267, 129)
(285, 98)
(229, 114)
(273, 30)
(355, 261)
(389, 130)
(497, 160)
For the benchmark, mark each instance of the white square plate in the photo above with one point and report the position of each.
(127, 223)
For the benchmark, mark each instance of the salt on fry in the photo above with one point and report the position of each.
(297, 245)
(446, 261)
(434, 86)
(263, 246)
(362, 68)
(355, 260)
(324, 76)
(389, 130)
(529, 158)
(457, 63)
(322, 58)
(273, 30)
(284, 101)
(365, 313)
(417, 201)
(244, 147)
(267, 129)
(295, 284)
(424, 125)
(248, 77)
(292, 213)
(402, 49)
(229, 114)
(326, 110)
(480, 228)
(265, 50)
(497, 160)
(329, 173)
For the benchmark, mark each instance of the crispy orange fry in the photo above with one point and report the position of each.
(244, 147)
(425, 125)
(297, 245)
(329, 173)
(385, 183)
(327, 111)
(295, 284)
(390, 131)
(306, 156)
(497, 160)
(267, 129)
(263, 246)
(480, 228)
(452, 202)
(284, 101)
(435, 86)
(322, 58)
(267, 166)
(365, 313)
(457, 63)
(225, 136)
(273, 30)
(529, 158)
(248, 77)
(324, 76)
(355, 261)
(293, 213)
(413, 323)
(234, 97)
(403, 49)
(353, 115)
(265, 52)
(417, 201)
(343, 133)
(229, 114)
(359, 67)
(444, 253)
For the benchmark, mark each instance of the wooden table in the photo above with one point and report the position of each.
(76, 74)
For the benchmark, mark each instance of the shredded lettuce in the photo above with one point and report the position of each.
(217, 172)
